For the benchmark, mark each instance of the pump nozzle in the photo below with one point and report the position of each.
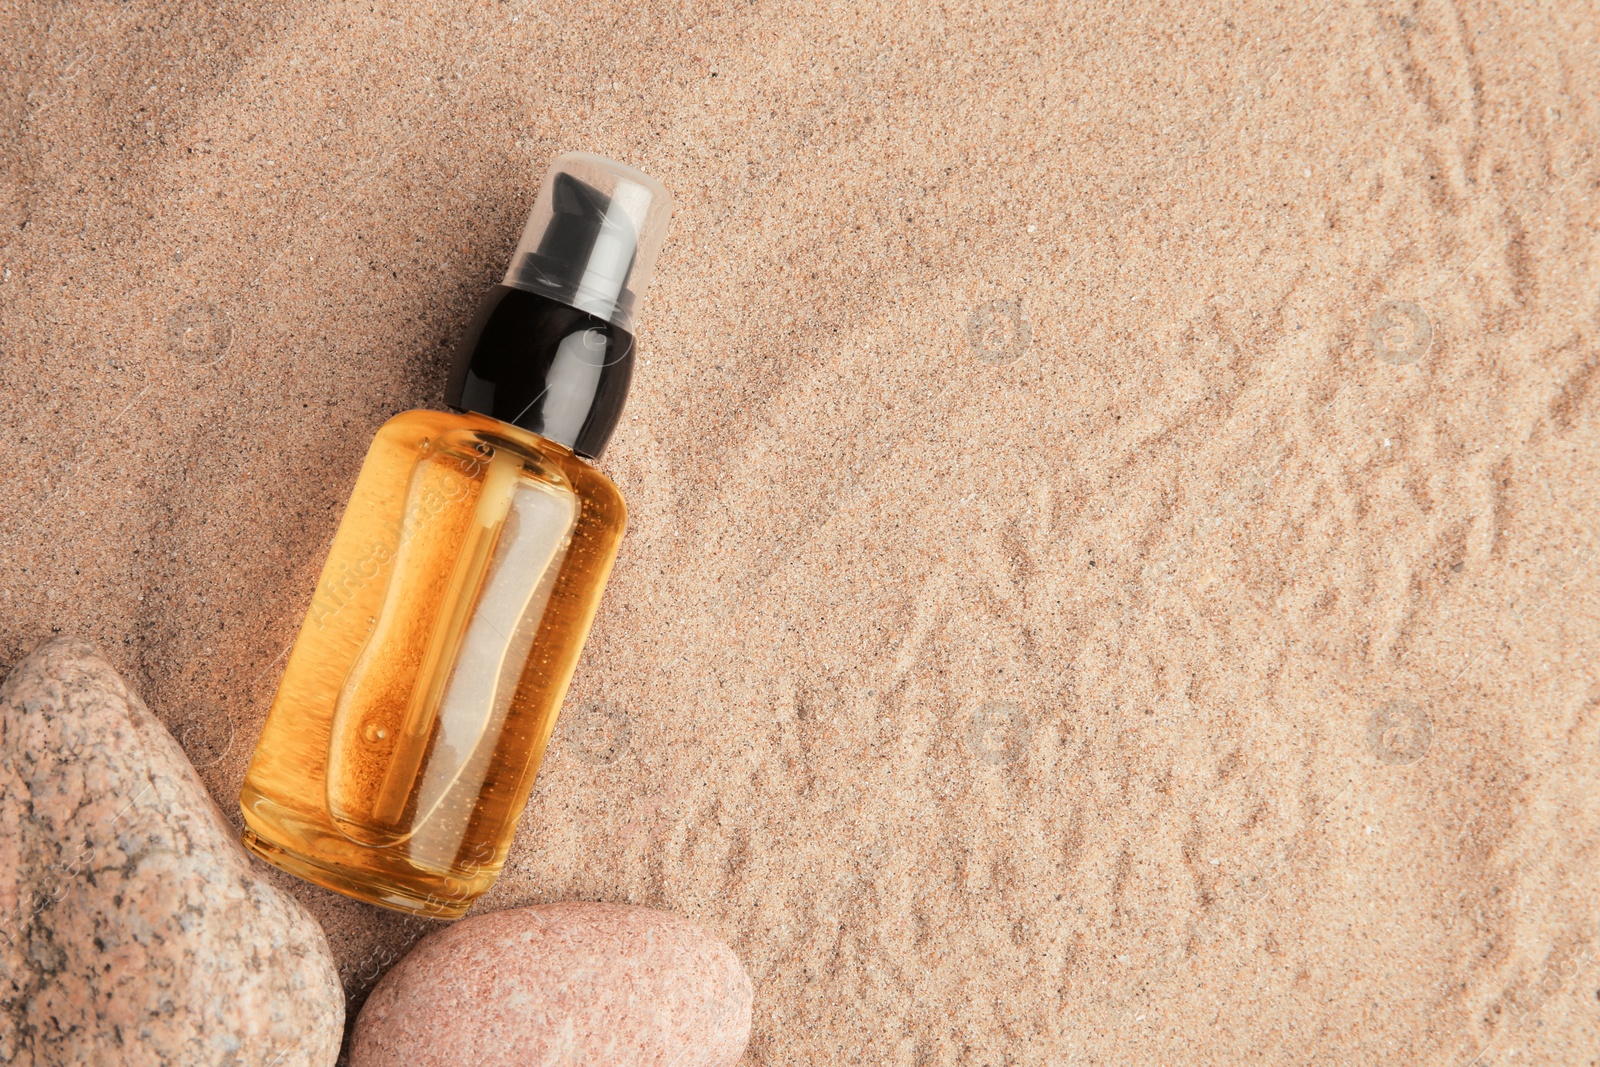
(592, 237)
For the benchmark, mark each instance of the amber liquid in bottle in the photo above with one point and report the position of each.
(428, 673)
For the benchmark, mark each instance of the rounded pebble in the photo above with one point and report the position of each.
(554, 984)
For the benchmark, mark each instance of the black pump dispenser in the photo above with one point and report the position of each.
(551, 347)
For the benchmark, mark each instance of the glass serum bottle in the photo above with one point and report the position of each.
(415, 707)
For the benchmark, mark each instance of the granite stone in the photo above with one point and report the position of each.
(134, 930)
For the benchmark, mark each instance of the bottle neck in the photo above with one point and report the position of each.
(545, 367)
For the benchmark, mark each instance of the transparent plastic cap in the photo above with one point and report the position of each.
(592, 239)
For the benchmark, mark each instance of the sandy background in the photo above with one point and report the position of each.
(1112, 571)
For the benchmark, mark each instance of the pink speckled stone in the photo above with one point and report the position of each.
(134, 929)
(563, 984)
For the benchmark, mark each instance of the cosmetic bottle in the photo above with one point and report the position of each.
(426, 678)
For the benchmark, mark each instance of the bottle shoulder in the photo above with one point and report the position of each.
(414, 431)
(418, 424)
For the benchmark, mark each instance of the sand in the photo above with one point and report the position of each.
(1114, 492)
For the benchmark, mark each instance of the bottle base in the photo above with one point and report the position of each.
(376, 876)
(394, 897)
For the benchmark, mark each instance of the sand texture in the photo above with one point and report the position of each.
(1112, 570)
